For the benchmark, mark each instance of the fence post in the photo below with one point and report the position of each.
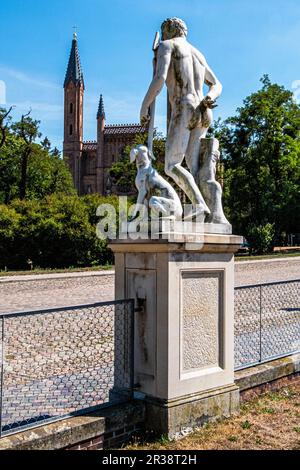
(260, 324)
(132, 326)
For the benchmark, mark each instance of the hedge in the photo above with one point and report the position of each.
(56, 232)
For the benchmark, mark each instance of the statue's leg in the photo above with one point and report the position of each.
(164, 207)
(176, 145)
(193, 150)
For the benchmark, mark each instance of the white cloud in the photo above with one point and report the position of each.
(296, 87)
(44, 111)
(2, 92)
(24, 78)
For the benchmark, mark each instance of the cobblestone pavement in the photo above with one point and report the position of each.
(62, 290)
(64, 361)
(260, 272)
(55, 292)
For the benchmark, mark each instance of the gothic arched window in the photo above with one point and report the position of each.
(71, 108)
(71, 129)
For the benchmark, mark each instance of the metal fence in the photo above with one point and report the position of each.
(267, 322)
(67, 361)
(61, 362)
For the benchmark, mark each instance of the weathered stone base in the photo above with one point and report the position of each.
(175, 417)
(268, 377)
(107, 428)
(274, 386)
(170, 229)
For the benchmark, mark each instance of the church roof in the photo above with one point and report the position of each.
(119, 129)
(74, 71)
(89, 145)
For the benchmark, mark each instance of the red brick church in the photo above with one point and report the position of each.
(90, 161)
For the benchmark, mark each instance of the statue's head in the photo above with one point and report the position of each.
(142, 155)
(173, 28)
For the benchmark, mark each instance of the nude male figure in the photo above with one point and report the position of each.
(185, 71)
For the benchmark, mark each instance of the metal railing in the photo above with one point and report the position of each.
(267, 322)
(64, 361)
(67, 361)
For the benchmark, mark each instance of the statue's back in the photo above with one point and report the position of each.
(186, 72)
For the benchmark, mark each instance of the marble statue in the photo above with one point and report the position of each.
(154, 191)
(178, 271)
(185, 71)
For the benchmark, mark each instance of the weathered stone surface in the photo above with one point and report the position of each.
(185, 293)
(173, 417)
(181, 242)
(72, 431)
(269, 372)
(56, 435)
(200, 319)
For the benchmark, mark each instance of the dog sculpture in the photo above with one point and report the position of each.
(154, 192)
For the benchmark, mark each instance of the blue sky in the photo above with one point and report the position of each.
(241, 40)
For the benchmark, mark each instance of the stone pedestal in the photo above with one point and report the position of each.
(184, 343)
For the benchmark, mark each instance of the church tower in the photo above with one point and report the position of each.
(73, 114)
(100, 147)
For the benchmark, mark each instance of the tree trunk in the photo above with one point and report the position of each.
(23, 182)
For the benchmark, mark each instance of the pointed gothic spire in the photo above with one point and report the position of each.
(101, 112)
(74, 72)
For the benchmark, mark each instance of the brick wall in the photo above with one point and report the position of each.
(109, 440)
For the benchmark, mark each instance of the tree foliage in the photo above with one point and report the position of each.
(261, 152)
(29, 169)
(5, 119)
(56, 232)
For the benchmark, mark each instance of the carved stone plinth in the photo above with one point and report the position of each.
(184, 362)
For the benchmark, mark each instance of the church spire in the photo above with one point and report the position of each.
(74, 72)
(101, 112)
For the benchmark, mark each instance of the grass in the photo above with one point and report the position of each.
(269, 422)
(56, 271)
(246, 425)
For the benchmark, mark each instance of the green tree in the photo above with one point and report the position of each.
(10, 168)
(28, 131)
(47, 174)
(56, 232)
(261, 152)
(5, 119)
(46, 144)
(27, 168)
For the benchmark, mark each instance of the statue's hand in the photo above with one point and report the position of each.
(202, 115)
(207, 102)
